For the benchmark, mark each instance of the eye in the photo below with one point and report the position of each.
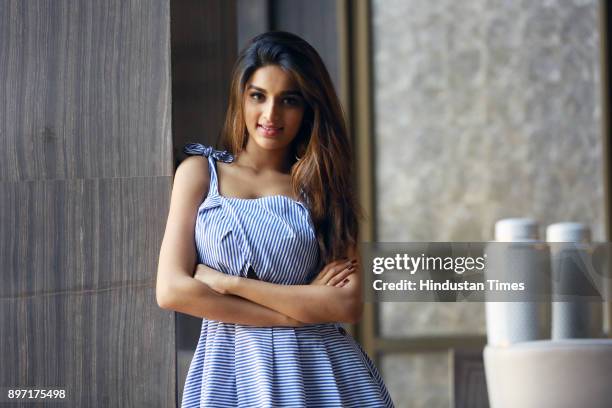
(292, 101)
(256, 96)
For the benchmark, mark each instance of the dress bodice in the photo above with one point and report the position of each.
(270, 238)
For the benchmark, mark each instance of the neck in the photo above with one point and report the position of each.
(265, 160)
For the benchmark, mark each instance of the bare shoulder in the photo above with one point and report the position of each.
(193, 176)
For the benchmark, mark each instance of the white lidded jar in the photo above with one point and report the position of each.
(576, 307)
(518, 256)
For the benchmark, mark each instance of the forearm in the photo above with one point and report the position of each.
(305, 303)
(194, 298)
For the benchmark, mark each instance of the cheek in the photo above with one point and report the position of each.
(297, 118)
(250, 115)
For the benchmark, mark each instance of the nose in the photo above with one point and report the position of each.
(271, 111)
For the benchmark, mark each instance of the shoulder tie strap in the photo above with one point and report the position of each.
(208, 151)
(212, 156)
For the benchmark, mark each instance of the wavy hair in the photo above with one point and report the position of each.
(322, 171)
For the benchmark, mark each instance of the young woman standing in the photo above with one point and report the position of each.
(261, 242)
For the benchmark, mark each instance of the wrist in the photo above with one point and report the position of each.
(232, 284)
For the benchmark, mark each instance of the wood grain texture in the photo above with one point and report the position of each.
(84, 235)
(85, 179)
(85, 87)
(106, 349)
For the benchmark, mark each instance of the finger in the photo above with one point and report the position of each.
(342, 265)
(350, 265)
(342, 275)
(322, 276)
(332, 277)
(331, 269)
(328, 268)
(335, 267)
(343, 283)
(333, 263)
(325, 275)
(347, 265)
(331, 272)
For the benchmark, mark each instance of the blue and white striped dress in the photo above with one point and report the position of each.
(271, 239)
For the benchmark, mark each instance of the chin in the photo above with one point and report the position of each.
(272, 145)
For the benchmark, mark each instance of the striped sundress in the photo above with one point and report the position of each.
(270, 238)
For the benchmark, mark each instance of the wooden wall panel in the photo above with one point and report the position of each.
(85, 87)
(80, 235)
(85, 178)
(105, 348)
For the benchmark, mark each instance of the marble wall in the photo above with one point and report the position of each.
(85, 181)
(484, 110)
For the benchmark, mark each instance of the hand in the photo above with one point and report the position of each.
(349, 280)
(217, 281)
(336, 273)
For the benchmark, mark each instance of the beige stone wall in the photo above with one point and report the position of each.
(483, 110)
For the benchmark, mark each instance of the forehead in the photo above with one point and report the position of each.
(273, 79)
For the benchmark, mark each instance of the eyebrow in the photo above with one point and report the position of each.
(291, 92)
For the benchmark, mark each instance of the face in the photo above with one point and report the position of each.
(273, 108)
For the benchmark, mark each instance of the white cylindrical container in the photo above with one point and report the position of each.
(568, 232)
(517, 321)
(516, 230)
(580, 316)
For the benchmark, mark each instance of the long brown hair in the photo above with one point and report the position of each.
(322, 172)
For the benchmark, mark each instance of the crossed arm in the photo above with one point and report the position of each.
(240, 300)
(190, 296)
(331, 297)
(320, 302)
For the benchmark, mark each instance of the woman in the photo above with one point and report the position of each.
(275, 243)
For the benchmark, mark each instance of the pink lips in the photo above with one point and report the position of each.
(269, 131)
